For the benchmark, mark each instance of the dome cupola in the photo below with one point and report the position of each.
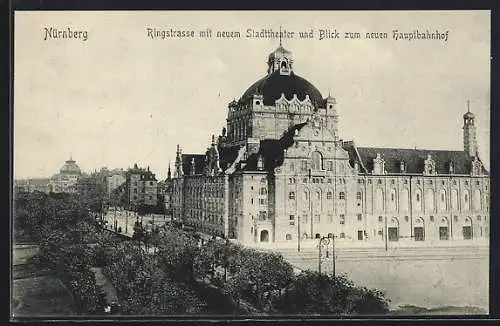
(281, 79)
(70, 167)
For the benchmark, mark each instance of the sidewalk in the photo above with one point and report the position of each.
(105, 285)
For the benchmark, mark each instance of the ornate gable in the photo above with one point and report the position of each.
(429, 166)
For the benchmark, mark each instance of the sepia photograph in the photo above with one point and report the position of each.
(250, 164)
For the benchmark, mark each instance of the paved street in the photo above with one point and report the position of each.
(126, 220)
(425, 277)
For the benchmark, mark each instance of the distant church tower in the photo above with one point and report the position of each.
(470, 143)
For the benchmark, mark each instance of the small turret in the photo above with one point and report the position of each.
(470, 144)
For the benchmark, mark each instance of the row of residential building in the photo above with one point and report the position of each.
(139, 185)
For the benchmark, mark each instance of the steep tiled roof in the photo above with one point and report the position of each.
(273, 85)
(199, 160)
(412, 158)
(272, 151)
(227, 155)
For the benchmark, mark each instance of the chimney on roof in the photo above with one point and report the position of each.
(193, 167)
(260, 163)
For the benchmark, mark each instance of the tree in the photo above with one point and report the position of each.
(139, 233)
(315, 293)
(176, 253)
(144, 287)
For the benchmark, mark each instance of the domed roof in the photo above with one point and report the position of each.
(70, 167)
(274, 84)
(469, 115)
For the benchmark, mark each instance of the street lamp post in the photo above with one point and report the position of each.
(115, 222)
(333, 255)
(298, 233)
(126, 223)
(385, 232)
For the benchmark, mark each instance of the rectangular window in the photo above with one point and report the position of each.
(443, 233)
(330, 166)
(262, 215)
(360, 217)
(360, 235)
(304, 165)
(393, 234)
(317, 218)
(342, 219)
(262, 201)
(330, 218)
(467, 231)
(292, 217)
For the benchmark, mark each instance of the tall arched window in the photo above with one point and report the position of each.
(477, 200)
(443, 229)
(417, 203)
(403, 200)
(466, 200)
(454, 199)
(317, 159)
(429, 199)
(392, 202)
(305, 195)
(442, 200)
(419, 229)
(318, 196)
(379, 200)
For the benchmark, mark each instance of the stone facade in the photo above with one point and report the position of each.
(66, 180)
(114, 180)
(280, 172)
(141, 187)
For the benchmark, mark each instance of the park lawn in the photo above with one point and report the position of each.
(41, 296)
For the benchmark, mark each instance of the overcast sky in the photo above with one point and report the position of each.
(121, 98)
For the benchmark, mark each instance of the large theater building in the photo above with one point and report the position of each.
(280, 171)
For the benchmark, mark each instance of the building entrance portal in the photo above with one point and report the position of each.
(264, 236)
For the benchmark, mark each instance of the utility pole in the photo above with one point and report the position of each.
(126, 223)
(319, 256)
(298, 233)
(385, 232)
(333, 255)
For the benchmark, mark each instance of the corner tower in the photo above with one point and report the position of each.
(470, 142)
